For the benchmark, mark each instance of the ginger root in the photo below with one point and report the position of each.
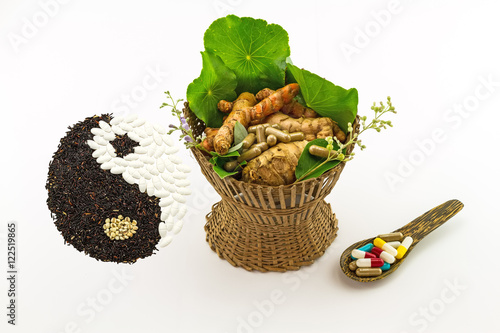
(294, 108)
(245, 111)
(313, 128)
(276, 166)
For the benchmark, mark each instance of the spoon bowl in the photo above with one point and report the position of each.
(417, 229)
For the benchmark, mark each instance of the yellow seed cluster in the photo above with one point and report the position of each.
(119, 228)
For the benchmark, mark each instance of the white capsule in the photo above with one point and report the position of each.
(126, 127)
(184, 190)
(97, 131)
(133, 136)
(158, 139)
(169, 223)
(166, 201)
(394, 244)
(146, 142)
(148, 128)
(147, 159)
(118, 130)
(131, 157)
(167, 178)
(175, 159)
(160, 165)
(179, 175)
(162, 229)
(104, 158)
(116, 121)
(117, 170)
(152, 150)
(100, 140)
(179, 198)
(151, 189)
(157, 183)
(92, 144)
(174, 209)
(160, 129)
(182, 212)
(177, 227)
(140, 132)
(136, 164)
(164, 241)
(183, 183)
(140, 150)
(142, 185)
(105, 126)
(99, 152)
(138, 122)
(128, 178)
(171, 150)
(159, 151)
(184, 168)
(107, 165)
(162, 194)
(168, 140)
(130, 117)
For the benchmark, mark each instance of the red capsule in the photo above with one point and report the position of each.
(376, 251)
(358, 254)
(371, 262)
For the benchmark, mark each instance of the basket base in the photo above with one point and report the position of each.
(265, 248)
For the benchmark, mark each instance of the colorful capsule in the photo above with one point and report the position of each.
(393, 236)
(370, 262)
(381, 244)
(388, 258)
(358, 254)
(367, 248)
(385, 267)
(394, 244)
(368, 271)
(405, 245)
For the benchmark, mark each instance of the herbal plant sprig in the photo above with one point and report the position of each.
(186, 133)
(353, 138)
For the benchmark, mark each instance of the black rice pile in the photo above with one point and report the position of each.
(81, 196)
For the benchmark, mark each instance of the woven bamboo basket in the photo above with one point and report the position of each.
(268, 228)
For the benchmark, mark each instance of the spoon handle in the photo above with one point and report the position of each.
(429, 221)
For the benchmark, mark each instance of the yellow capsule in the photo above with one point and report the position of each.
(405, 245)
(381, 244)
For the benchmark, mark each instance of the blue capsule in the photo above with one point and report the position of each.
(385, 267)
(366, 248)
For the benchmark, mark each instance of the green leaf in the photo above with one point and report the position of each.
(324, 97)
(219, 160)
(240, 133)
(216, 82)
(309, 166)
(235, 148)
(254, 50)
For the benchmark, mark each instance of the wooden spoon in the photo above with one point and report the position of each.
(417, 229)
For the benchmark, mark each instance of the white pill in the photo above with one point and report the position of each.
(117, 170)
(126, 127)
(130, 118)
(136, 164)
(168, 178)
(148, 128)
(160, 129)
(147, 159)
(163, 217)
(162, 194)
(120, 161)
(169, 223)
(158, 139)
(175, 159)
(100, 140)
(184, 190)
(138, 122)
(131, 157)
(146, 142)
(179, 198)
(92, 144)
(151, 189)
(140, 150)
(140, 132)
(152, 150)
(109, 136)
(107, 165)
(135, 174)
(159, 151)
(99, 152)
(168, 140)
(97, 131)
(111, 150)
(146, 174)
(183, 182)
(160, 165)
(153, 170)
(157, 183)
(164, 241)
(116, 121)
(104, 158)
(105, 126)
(171, 188)
(171, 150)
(184, 168)
(142, 185)
(162, 229)
(179, 175)
(182, 212)
(133, 136)
(128, 178)
(118, 130)
(170, 166)
(177, 226)
(174, 209)
(166, 201)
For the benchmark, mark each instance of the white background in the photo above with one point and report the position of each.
(431, 57)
